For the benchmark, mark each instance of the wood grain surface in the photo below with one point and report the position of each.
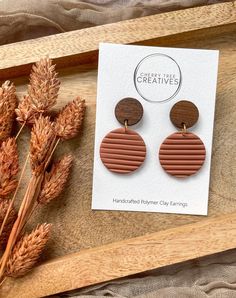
(184, 112)
(77, 228)
(128, 111)
(82, 45)
(127, 257)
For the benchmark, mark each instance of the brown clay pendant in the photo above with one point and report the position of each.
(182, 154)
(123, 150)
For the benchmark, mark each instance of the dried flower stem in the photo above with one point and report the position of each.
(4, 207)
(2, 281)
(31, 213)
(27, 204)
(32, 210)
(17, 188)
(51, 153)
(21, 219)
(45, 137)
(20, 130)
(14, 196)
(8, 167)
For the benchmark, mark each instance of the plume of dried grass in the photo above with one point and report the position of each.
(27, 251)
(44, 85)
(20, 256)
(9, 167)
(70, 119)
(26, 113)
(42, 136)
(42, 92)
(4, 204)
(8, 103)
(55, 180)
(42, 144)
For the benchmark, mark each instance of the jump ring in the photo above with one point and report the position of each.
(126, 125)
(184, 129)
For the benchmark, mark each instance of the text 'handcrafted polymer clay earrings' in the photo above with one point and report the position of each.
(182, 153)
(123, 150)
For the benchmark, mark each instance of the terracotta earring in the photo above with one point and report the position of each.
(182, 154)
(123, 150)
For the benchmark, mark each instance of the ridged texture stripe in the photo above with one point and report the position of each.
(122, 151)
(182, 155)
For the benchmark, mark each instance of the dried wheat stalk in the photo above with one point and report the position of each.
(42, 142)
(44, 85)
(8, 102)
(8, 167)
(25, 112)
(27, 251)
(42, 137)
(43, 187)
(4, 205)
(55, 180)
(70, 119)
(42, 92)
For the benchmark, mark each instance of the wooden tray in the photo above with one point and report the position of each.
(89, 247)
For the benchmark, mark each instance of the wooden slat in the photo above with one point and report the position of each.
(127, 257)
(82, 45)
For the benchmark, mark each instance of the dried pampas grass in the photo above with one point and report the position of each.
(70, 119)
(44, 185)
(25, 112)
(4, 205)
(55, 180)
(44, 85)
(8, 103)
(8, 167)
(42, 137)
(27, 251)
(42, 92)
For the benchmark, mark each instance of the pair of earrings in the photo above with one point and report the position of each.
(181, 154)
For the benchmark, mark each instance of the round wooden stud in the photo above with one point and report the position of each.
(184, 112)
(122, 151)
(130, 110)
(182, 155)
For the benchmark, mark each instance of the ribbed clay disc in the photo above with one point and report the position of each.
(122, 151)
(182, 155)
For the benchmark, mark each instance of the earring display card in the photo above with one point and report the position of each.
(158, 77)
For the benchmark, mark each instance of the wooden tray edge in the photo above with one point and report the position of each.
(126, 257)
(80, 46)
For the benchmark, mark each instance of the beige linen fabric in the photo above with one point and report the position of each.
(213, 276)
(25, 19)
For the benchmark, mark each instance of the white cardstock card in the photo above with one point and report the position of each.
(158, 77)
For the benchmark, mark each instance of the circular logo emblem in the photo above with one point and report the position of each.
(157, 78)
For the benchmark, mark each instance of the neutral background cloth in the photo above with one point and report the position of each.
(214, 276)
(25, 19)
